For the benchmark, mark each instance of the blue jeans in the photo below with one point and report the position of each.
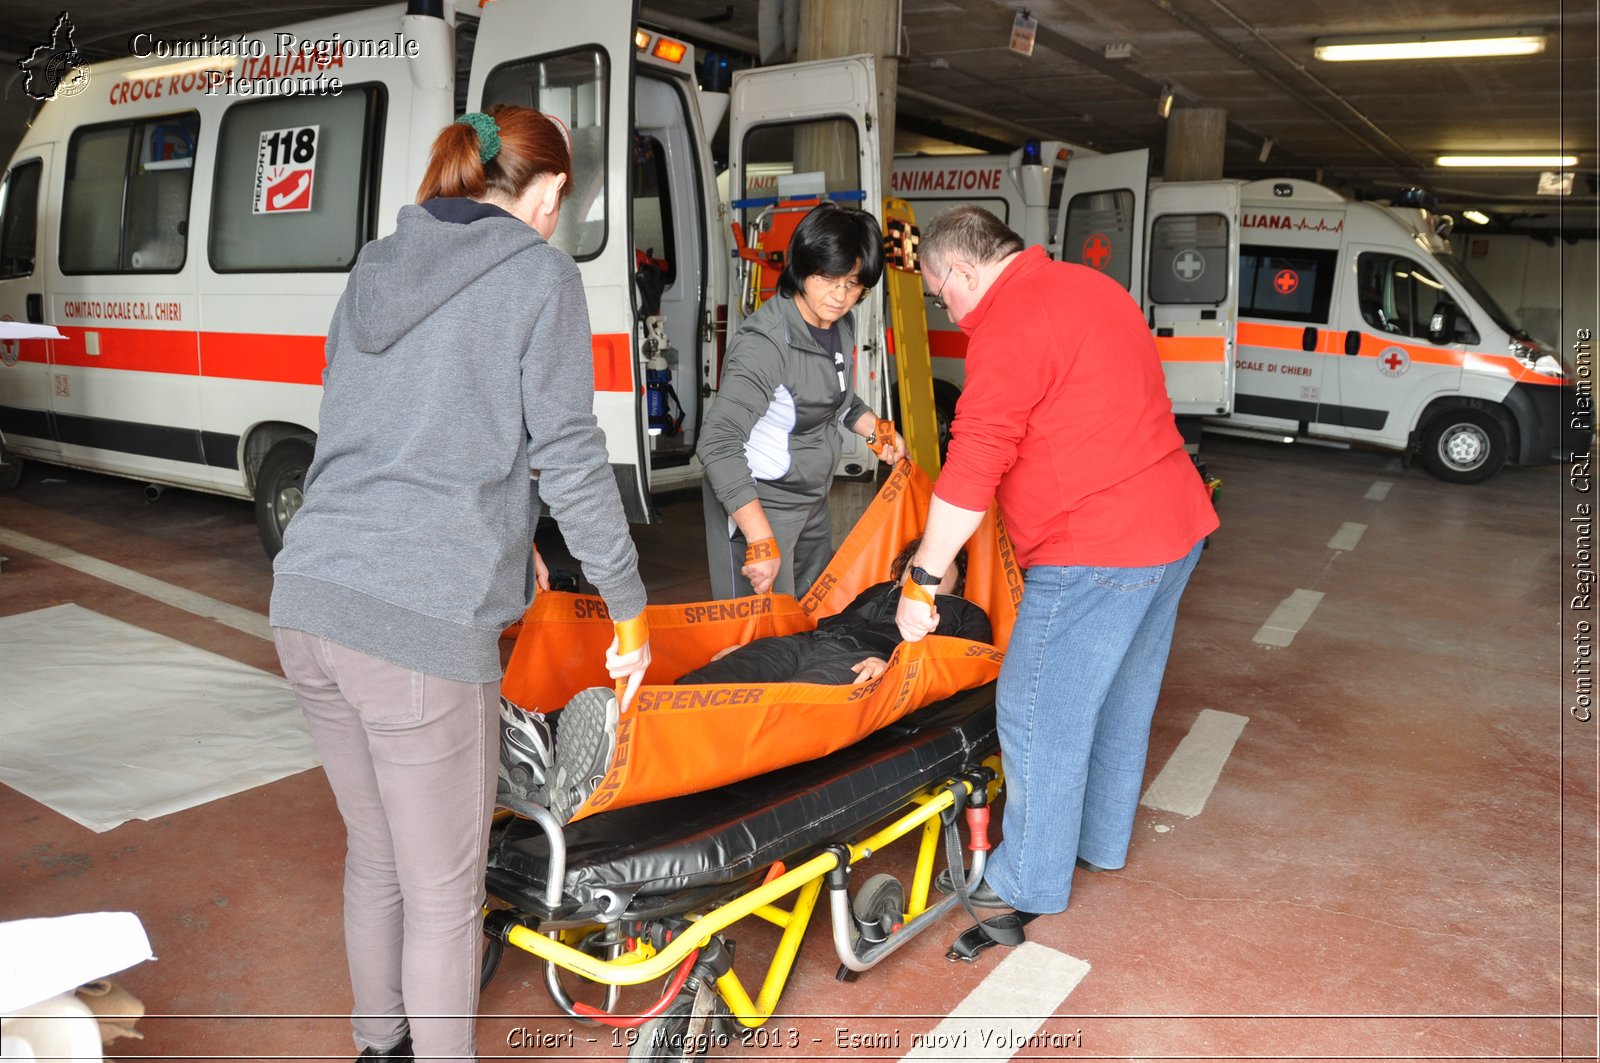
(1076, 695)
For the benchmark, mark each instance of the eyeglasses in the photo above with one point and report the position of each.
(938, 297)
(849, 285)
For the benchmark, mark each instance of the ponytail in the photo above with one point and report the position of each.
(522, 145)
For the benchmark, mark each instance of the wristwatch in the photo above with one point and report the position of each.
(923, 578)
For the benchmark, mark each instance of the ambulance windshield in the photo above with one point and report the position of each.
(1480, 295)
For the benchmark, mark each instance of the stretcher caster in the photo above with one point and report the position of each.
(879, 906)
(670, 1036)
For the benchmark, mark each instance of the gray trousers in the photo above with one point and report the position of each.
(805, 541)
(412, 761)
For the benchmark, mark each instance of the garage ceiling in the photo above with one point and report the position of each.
(1368, 129)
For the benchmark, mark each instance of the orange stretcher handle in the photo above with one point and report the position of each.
(917, 593)
(882, 437)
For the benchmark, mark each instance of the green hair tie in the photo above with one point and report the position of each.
(488, 134)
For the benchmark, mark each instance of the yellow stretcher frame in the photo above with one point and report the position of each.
(805, 883)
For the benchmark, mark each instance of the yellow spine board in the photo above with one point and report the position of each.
(902, 281)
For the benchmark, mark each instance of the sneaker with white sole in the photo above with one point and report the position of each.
(584, 754)
(527, 756)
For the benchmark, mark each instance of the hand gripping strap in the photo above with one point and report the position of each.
(761, 550)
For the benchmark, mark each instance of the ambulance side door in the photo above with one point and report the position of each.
(576, 62)
(810, 128)
(25, 244)
(1193, 291)
(1102, 218)
(1405, 339)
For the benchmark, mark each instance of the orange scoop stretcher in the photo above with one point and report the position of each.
(681, 739)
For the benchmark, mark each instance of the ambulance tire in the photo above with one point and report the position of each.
(280, 486)
(1464, 445)
(10, 469)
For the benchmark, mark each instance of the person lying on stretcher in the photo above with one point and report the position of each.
(851, 647)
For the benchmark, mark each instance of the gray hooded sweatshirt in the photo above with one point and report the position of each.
(459, 358)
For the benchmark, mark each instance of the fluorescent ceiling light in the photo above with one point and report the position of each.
(1499, 161)
(1476, 216)
(1465, 45)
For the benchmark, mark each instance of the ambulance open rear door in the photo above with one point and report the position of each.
(807, 130)
(1102, 215)
(575, 61)
(1191, 291)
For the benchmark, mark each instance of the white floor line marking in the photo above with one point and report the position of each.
(1379, 490)
(248, 621)
(1185, 781)
(1287, 620)
(1348, 535)
(1003, 1015)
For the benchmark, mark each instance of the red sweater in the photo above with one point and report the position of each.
(1065, 419)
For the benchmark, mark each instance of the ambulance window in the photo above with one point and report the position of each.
(1189, 259)
(1398, 296)
(1286, 283)
(1100, 233)
(572, 87)
(126, 204)
(652, 207)
(19, 219)
(296, 182)
(808, 158)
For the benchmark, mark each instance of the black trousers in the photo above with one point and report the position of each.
(802, 658)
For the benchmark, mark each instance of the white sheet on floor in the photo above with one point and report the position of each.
(106, 722)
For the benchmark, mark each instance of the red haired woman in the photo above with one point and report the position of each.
(458, 360)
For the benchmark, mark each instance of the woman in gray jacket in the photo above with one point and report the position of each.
(458, 359)
(771, 440)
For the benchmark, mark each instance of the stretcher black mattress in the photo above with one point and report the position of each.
(671, 856)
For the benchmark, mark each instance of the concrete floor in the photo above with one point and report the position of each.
(1397, 861)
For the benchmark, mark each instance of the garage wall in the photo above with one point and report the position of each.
(1549, 287)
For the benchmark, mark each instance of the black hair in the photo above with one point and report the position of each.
(830, 241)
(903, 559)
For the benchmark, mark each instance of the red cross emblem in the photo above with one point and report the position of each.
(1286, 281)
(1393, 361)
(1097, 250)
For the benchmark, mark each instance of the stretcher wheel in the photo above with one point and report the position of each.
(665, 1037)
(879, 897)
(493, 950)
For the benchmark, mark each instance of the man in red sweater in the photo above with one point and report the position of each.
(1065, 420)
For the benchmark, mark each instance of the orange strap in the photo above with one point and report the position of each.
(631, 635)
(916, 592)
(882, 436)
(761, 550)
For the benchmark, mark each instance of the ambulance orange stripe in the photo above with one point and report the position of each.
(1331, 341)
(276, 359)
(947, 343)
(1192, 348)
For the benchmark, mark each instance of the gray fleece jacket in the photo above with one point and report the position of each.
(774, 430)
(458, 359)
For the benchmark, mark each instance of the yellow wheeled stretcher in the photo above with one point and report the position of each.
(649, 886)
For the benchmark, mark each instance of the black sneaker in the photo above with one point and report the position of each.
(584, 754)
(527, 756)
(400, 1053)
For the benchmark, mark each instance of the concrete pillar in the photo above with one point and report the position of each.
(1195, 138)
(832, 28)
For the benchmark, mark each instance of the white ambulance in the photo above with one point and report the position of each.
(187, 217)
(1282, 309)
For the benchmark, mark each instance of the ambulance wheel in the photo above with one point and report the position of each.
(280, 488)
(1464, 446)
(10, 469)
(666, 1037)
